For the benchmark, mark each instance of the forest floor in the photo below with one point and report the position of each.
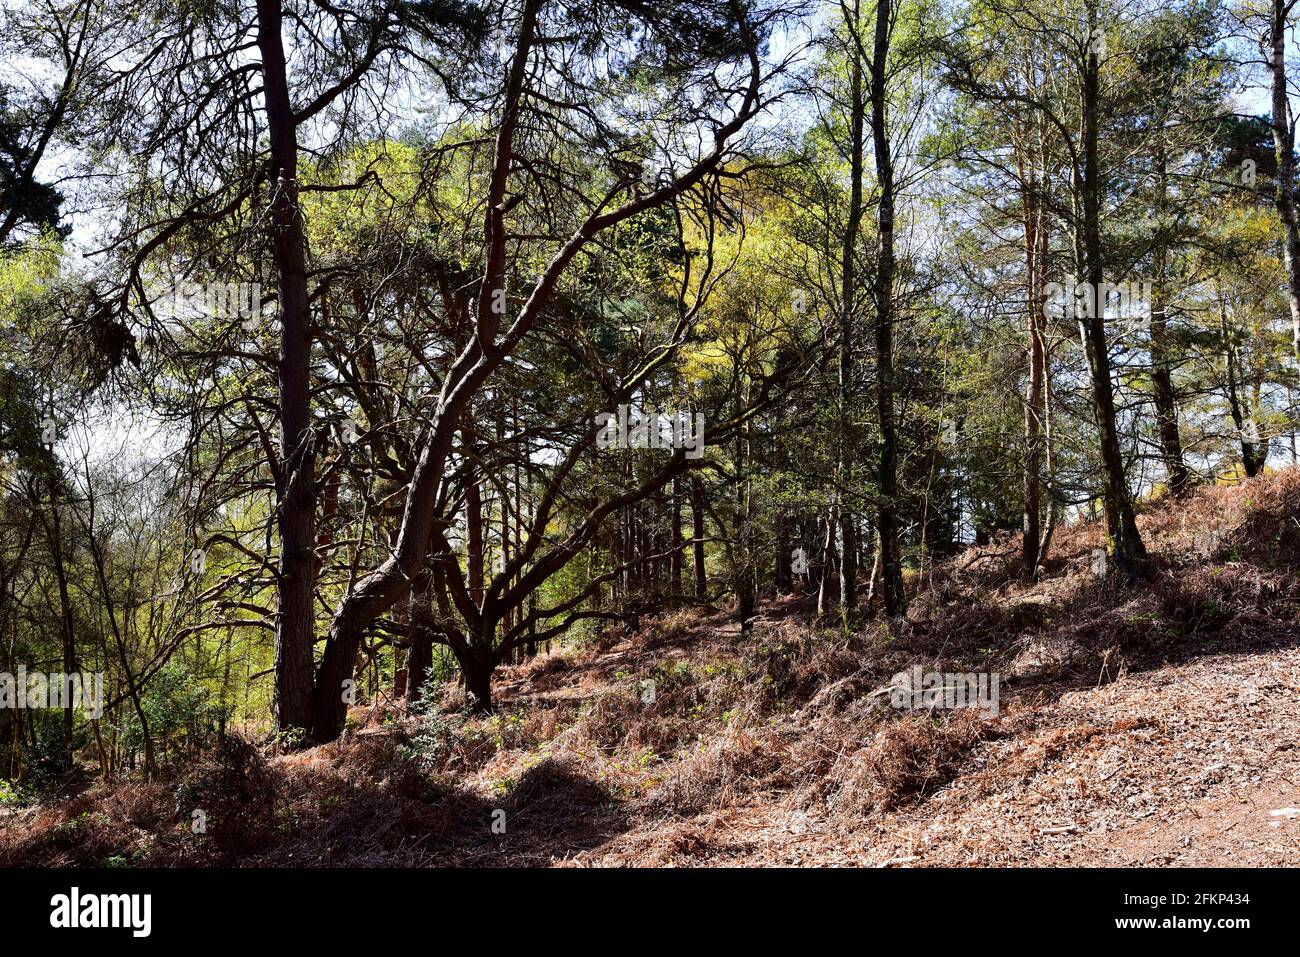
(1154, 722)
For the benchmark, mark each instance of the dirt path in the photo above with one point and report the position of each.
(1179, 766)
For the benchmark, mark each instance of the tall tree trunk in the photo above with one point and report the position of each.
(1162, 390)
(1284, 148)
(1162, 386)
(846, 458)
(875, 571)
(476, 665)
(697, 537)
(1126, 550)
(886, 520)
(1252, 458)
(419, 659)
(644, 571)
(675, 566)
(295, 485)
(784, 580)
(629, 562)
(1049, 527)
(828, 581)
(1034, 391)
(132, 688)
(54, 532)
(1284, 187)
(746, 579)
(473, 528)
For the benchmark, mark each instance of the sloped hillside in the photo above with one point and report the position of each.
(1155, 722)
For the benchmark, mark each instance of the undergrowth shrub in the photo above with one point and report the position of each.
(909, 759)
(237, 792)
(720, 772)
(436, 735)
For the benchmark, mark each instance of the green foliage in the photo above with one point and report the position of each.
(182, 714)
(436, 734)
